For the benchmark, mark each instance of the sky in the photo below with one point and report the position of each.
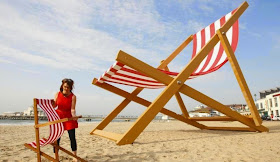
(43, 42)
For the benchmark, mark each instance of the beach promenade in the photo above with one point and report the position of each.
(161, 141)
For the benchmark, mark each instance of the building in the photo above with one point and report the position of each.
(268, 104)
(30, 112)
(208, 111)
(12, 114)
(200, 112)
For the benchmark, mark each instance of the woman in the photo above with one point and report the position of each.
(66, 102)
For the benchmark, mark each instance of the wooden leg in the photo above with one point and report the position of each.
(37, 130)
(182, 105)
(56, 150)
(240, 78)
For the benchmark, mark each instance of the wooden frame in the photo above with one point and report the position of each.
(175, 86)
(57, 148)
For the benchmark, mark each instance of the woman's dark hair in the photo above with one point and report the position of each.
(69, 82)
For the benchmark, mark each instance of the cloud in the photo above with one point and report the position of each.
(88, 34)
(57, 35)
(6, 61)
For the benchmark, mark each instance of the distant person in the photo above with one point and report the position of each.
(65, 100)
(271, 117)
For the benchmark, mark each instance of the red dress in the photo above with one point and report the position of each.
(64, 110)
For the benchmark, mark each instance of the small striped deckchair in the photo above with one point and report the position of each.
(56, 130)
(213, 46)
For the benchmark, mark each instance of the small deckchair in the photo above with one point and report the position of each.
(56, 130)
(213, 46)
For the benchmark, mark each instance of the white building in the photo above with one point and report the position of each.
(30, 112)
(12, 113)
(269, 101)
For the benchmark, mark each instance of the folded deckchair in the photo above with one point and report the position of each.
(56, 130)
(213, 46)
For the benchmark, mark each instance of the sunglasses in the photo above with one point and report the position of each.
(67, 80)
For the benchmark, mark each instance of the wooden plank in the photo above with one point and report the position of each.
(182, 105)
(240, 78)
(43, 154)
(216, 118)
(37, 130)
(57, 121)
(234, 17)
(232, 129)
(109, 135)
(146, 103)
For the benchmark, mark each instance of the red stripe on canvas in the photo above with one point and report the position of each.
(209, 56)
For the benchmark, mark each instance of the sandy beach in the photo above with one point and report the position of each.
(160, 141)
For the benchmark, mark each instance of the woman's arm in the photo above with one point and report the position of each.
(73, 106)
(55, 98)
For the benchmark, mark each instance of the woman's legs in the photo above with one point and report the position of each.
(73, 142)
(72, 137)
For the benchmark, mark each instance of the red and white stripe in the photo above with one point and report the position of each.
(56, 130)
(122, 74)
(217, 57)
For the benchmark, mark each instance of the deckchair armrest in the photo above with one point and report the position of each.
(75, 118)
(57, 121)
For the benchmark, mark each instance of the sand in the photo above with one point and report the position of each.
(160, 141)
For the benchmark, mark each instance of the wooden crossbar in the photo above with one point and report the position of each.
(110, 135)
(232, 129)
(216, 118)
(57, 121)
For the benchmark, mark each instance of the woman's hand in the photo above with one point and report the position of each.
(53, 104)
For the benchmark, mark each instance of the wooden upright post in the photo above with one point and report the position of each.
(239, 77)
(37, 130)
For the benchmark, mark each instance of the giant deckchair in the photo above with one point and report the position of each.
(56, 130)
(213, 46)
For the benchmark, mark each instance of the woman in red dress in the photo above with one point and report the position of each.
(65, 100)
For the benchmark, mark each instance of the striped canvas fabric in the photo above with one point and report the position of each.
(217, 57)
(122, 74)
(56, 130)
